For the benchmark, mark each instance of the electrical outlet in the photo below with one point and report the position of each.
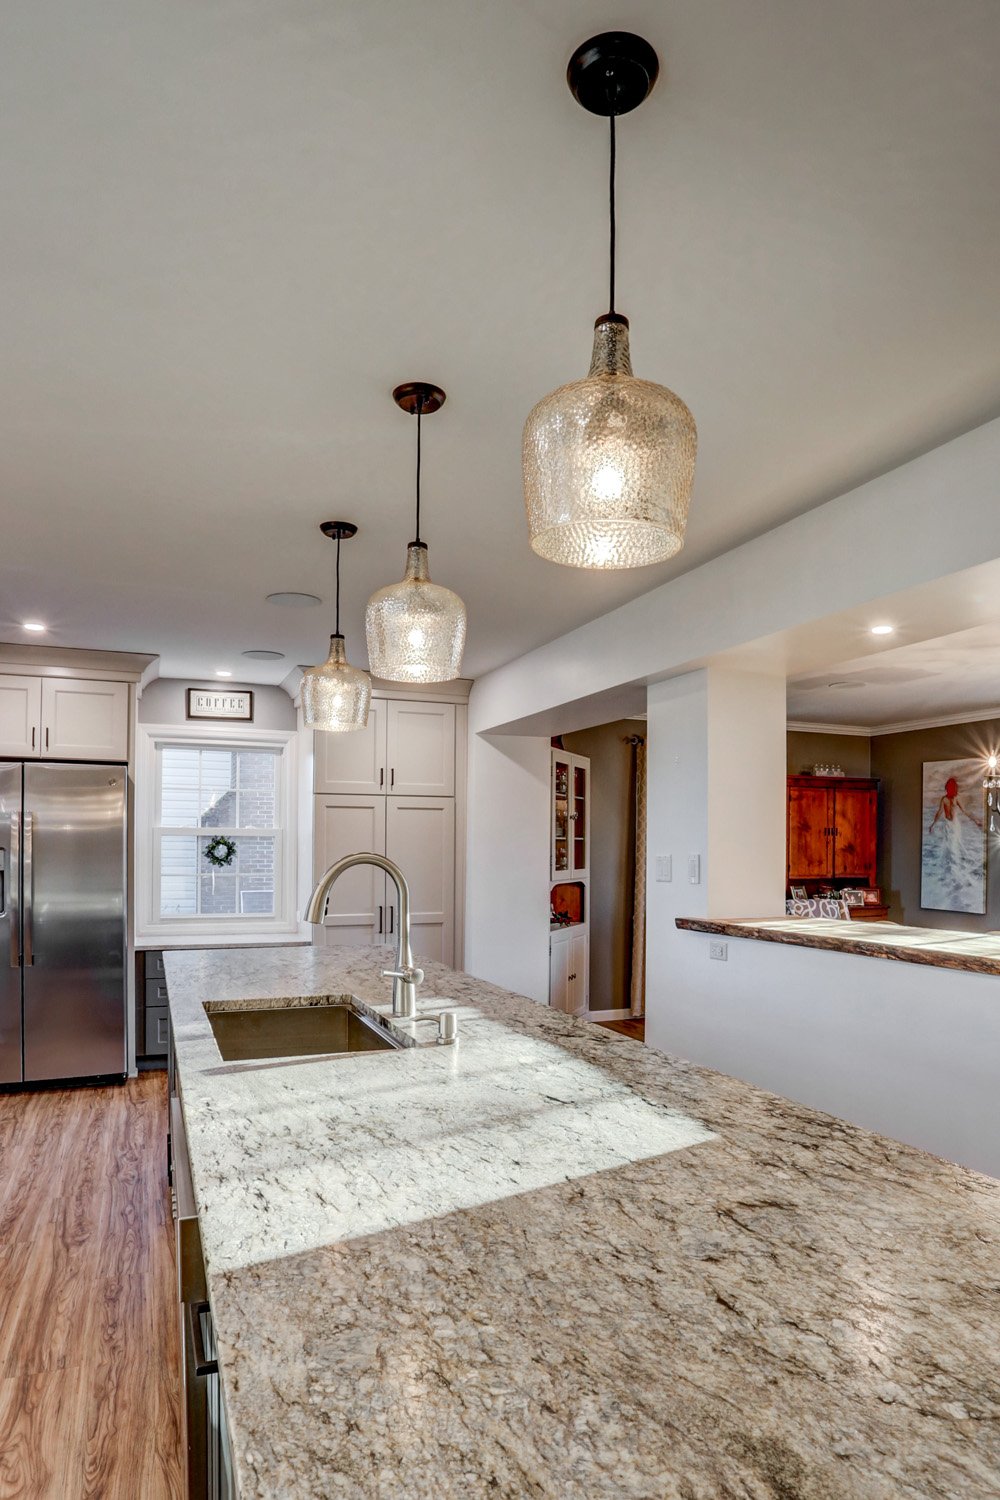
(718, 950)
(664, 867)
(694, 869)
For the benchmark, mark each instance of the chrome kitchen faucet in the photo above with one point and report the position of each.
(405, 976)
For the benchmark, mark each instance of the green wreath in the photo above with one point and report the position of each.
(220, 852)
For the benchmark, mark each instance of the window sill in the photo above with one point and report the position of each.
(205, 935)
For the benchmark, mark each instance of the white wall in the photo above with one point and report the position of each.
(507, 881)
(164, 701)
(904, 1049)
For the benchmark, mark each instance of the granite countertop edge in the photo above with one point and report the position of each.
(938, 948)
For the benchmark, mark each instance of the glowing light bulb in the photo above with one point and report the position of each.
(608, 483)
(416, 637)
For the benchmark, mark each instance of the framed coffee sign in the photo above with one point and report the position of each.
(210, 703)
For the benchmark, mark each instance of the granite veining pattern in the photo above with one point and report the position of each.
(551, 1262)
(939, 947)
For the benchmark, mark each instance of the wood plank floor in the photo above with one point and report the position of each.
(634, 1026)
(89, 1376)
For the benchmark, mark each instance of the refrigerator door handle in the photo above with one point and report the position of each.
(15, 898)
(29, 893)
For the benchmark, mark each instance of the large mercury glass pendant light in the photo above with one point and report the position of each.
(335, 695)
(416, 628)
(609, 461)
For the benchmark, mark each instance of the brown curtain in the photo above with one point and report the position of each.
(637, 976)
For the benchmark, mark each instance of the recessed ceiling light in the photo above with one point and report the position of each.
(223, 674)
(882, 629)
(265, 655)
(35, 626)
(295, 601)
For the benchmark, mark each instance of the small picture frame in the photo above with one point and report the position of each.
(872, 895)
(220, 704)
(853, 896)
(799, 893)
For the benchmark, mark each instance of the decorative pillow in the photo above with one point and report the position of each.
(818, 906)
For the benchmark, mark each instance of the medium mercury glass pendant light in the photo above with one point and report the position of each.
(416, 628)
(336, 696)
(608, 461)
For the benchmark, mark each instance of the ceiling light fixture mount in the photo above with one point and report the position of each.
(416, 628)
(336, 696)
(608, 462)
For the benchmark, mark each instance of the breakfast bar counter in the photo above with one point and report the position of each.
(940, 947)
(551, 1262)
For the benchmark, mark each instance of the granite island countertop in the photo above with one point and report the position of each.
(551, 1262)
(938, 947)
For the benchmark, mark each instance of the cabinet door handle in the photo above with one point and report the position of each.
(392, 778)
(32, 736)
(381, 776)
(380, 921)
(46, 736)
(392, 910)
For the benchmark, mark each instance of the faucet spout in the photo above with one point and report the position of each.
(405, 976)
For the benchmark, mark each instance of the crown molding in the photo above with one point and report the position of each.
(800, 726)
(901, 726)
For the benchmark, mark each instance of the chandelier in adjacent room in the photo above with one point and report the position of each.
(608, 462)
(416, 628)
(336, 696)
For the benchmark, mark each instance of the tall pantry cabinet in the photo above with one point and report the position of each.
(395, 788)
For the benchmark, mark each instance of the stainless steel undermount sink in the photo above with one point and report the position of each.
(297, 1031)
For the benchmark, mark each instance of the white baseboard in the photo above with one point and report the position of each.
(609, 1015)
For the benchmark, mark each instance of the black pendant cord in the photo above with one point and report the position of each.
(420, 412)
(611, 213)
(338, 583)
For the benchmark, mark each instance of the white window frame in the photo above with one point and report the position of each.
(152, 930)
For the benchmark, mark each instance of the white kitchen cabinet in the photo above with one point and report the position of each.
(569, 958)
(418, 834)
(353, 763)
(63, 718)
(420, 838)
(570, 806)
(84, 720)
(356, 912)
(20, 715)
(406, 748)
(420, 749)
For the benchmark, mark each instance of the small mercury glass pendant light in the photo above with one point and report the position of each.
(336, 696)
(416, 628)
(608, 461)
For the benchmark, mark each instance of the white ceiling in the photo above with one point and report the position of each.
(955, 674)
(231, 228)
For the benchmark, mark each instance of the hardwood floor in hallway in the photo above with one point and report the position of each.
(89, 1376)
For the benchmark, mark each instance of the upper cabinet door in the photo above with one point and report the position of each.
(561, 768)
(421, 749)
(20, 715)
(810, 833)
(353, 763)
(84, 720)
(579, 817)
(856, 822)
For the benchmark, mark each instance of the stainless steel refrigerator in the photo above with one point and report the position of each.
(62, 921)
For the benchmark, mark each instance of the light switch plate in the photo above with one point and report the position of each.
(718, 950)
(664, 867)
(694, 869)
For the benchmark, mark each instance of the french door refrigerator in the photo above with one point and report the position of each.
(62, 921)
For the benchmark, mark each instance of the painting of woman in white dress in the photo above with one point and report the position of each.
(953, 851)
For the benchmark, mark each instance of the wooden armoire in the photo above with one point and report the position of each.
(832, 829)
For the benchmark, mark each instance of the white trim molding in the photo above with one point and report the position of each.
(152, 931)
(903, 726)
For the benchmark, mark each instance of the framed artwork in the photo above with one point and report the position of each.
(872, 895)
(799, 892)
(853, 896)
(953, 839)
(204, 704)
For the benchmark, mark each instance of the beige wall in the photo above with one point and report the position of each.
(897, 760)
(164, 701)
(611, 855)
(852, 751)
